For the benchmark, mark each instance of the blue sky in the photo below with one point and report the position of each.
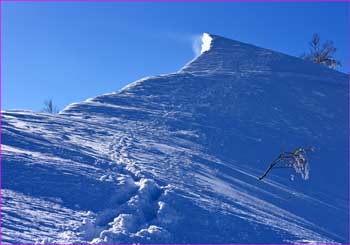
(73, 51)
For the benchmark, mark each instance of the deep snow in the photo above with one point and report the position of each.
(176, 158)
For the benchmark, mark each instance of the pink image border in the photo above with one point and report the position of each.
(197, 1)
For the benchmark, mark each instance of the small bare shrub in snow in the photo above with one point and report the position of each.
(296, 160)
(49, 107)
(322, 54)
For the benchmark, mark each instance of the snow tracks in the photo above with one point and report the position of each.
(138, 210)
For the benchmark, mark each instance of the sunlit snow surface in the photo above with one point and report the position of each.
(175, 158)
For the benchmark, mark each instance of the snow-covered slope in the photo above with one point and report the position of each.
(175, 158)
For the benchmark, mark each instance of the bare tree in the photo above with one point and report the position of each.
(49, 107)
(322, 54)
(295, 160)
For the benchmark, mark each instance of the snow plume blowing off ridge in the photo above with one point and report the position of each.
(201, 44)
(206, 42)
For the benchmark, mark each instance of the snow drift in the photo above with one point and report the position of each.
(176, 158)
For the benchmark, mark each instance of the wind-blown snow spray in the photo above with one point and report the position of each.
(206, 42)
(201, 43)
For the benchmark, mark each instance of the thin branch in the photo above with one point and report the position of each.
(270, 167)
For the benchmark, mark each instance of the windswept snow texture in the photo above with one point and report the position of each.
(176, 158)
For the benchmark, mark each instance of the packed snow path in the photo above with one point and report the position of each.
(176, 158)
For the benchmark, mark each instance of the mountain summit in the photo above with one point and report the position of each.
(222, 55)
(176, 158)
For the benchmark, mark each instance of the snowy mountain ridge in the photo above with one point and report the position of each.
(175, 158)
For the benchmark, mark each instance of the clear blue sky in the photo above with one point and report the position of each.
(72, 51)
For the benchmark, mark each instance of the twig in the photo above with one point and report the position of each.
(270, 167)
